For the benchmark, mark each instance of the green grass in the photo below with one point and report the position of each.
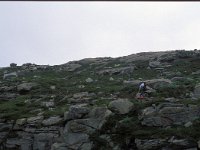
(17, 108)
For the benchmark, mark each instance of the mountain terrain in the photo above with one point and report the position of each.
(91, 104)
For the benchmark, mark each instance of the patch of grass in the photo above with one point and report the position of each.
(16, 109)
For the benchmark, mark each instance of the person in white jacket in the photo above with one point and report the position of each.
(142, 89)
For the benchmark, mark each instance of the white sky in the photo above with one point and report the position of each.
(57, 32)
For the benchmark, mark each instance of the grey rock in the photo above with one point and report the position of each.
(196, 72)
(8, 96)
(149, 144)
(10, 75)
(188, 124)
(75, 140)
(97, 118)
(121, 106)
(7, 88)
(36, 119)
(77, 111)
(86, 146)
(43, 141)
(59, 146)
(100, 112)
(21, 121)
(111, 79)
(167, 114)
(154, 64)
(13, 65)
(182, 143)
(52, 121)
(15, 143)
(26, 86)
(48, 104)
(89, 80)
(80, 95)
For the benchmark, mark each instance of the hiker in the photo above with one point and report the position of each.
(142, 89)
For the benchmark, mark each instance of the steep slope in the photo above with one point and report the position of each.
(91, 104)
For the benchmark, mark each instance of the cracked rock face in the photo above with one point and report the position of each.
(77, 131)
(167, 114)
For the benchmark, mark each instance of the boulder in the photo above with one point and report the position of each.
(75, 140)
(13, 65)
(97, 118)
(150, 144)
(196, 72)
(77, 112)
(26, 86)
(87, 126)
(36, 119)
(80, 95)
(10, 75)
(167, 114)
(21, 121)
(89, 80)
(120, 106)
(43, 141)
(111, 79)
(52, 121)
(22, 144)
(154, 64)
(178, 143)
(48, 104)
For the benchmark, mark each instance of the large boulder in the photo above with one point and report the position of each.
(77, 112)
(76, 132)
(75, 140)
(96, 119)
(43, 141)
(120, 106)
(10, 75)
(26, 86)
(167, 114)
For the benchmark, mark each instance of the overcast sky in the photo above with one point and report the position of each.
(57, 32)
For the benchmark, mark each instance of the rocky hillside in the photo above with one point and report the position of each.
(90, 104)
